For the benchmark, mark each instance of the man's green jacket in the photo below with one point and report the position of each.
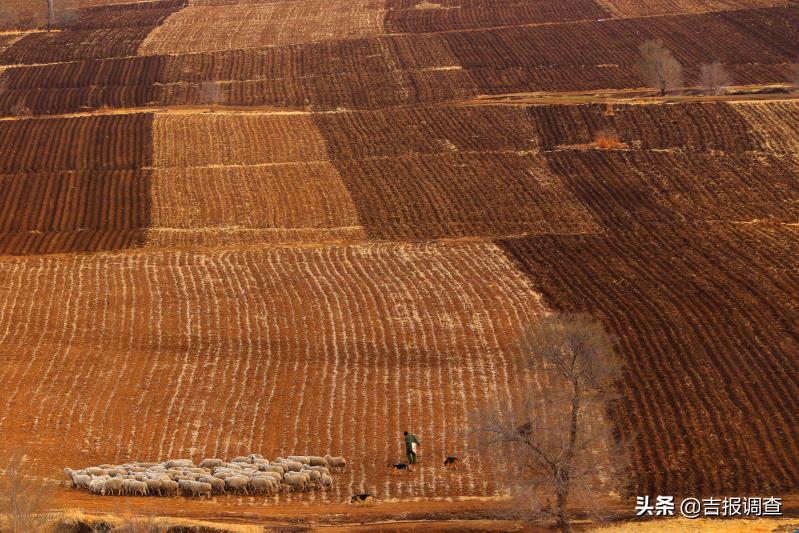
(409, 440)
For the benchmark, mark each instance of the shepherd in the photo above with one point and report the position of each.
(411, 447)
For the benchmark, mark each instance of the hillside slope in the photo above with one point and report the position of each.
(231, 226)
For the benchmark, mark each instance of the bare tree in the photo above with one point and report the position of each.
(553, 439)
(38, 13)
(714, 78)
(22, 497)
(50, 14)
(212, 93)
(658, 67)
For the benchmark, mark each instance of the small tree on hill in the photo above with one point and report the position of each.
(37, 14)
(714, 78)
(212, 93)
(553, 441)
(658, 67)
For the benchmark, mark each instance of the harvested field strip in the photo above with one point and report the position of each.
(212, 139)
(74, 45)
(397, 132)
(359, 74)
(57, 242)
(24, 14)
(128, 72)
(456, 195)
(219, 237)
(100, 32)
(687, 126)
(777, 25)
(74, 185)
(66, 101)
(284, 62)
(111, 142)
(206, 28)
(304, 195)
(636, 8)
(431, 327)
(365, 90)
(629, 189)
(487, 14)
(775, 126)
(148, 14)
(69, 201)
(680, 409)
(693, 39)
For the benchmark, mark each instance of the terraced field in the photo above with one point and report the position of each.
(231, 226)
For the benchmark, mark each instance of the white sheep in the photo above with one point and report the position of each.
(237, 484)
(320, 469)
(296, 481)
(179, 463)
(262, 485)
(96, 471)
(300, 459)
(241, 459)
(274, 475)
(317, 461)
(276, 468)
(96, 485)
(82, 480)
(184, 487)
(200, 489)
(336, 463)
(314, 476)
(218, 485)
(292, 466)
(210, 463)
(70, 476)
(169, 487)
(327, 482)
(153, 485)
(113, 486)
(135, 487)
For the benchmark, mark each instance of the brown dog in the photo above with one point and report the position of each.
(362, 498)
(452, 462)
(399, 468)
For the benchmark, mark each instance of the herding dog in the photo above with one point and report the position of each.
(362, 498)
(452, 462)
(398, 468)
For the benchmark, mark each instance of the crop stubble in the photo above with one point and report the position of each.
(206, 28)
(278, 350)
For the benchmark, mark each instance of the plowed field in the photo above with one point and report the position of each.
(706, 326)
(304, 55)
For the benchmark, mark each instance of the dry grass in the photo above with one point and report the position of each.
(127, 522)
(608, 139)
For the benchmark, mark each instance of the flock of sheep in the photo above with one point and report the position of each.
(250, 474)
